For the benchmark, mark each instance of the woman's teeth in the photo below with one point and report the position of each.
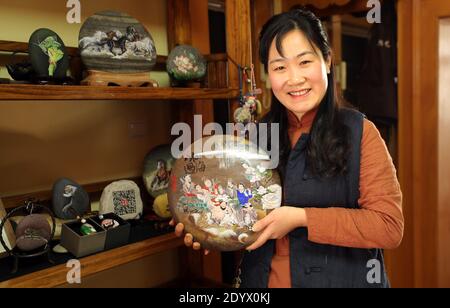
(300, 93)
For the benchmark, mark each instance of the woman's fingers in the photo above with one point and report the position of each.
(188, 239)
(261, 240)
(179, 230)
(262, 224)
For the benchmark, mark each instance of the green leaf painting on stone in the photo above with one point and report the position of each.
(52, 48)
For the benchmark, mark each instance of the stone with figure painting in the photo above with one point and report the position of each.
(157, 168)
(219, 193)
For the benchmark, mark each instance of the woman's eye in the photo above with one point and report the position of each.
(279, 68)
(305, 62)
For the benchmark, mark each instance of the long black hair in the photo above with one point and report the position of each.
(328, 146)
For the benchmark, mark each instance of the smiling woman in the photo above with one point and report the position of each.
(298, 59)
(342, 200)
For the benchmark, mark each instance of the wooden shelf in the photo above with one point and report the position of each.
(47, 92)
(56, 275)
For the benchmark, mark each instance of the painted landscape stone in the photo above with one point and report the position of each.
(185, 63)
(116, 42)
(220, 192)
(48, 54)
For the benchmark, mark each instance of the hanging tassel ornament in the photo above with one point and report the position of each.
(250, 106)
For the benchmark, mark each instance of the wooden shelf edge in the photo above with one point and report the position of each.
(56, 275)
(40, 92)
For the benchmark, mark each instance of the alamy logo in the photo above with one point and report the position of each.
(74, 14)
(374, 14)
(374, 274)
(74, 274)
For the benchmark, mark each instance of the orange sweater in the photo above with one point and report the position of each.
(377, 224)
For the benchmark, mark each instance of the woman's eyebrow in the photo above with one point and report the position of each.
(297, 56)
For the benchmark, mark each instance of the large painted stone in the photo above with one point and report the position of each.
(48, 54)
(220, 192)
(115, 42)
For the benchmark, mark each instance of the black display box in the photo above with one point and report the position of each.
(82, 245)
(115, 237)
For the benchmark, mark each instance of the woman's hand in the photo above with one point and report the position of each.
(188, 238)
(277, 224)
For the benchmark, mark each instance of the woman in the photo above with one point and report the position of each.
(342, 200)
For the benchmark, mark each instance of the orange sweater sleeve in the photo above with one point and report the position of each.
(379, 221)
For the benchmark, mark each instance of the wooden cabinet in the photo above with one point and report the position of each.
(222, 83)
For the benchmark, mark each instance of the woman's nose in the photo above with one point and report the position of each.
(296, 77)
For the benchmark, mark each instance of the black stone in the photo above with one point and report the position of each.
(69, 207)
(40, 58)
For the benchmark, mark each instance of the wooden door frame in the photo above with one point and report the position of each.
(402, 261)
(420, 165)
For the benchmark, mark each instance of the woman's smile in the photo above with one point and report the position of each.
(299, 94)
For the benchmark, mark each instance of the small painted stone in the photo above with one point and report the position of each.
(48, 54)
(122, 198)
(110, 224)
(157, 167)
(32, 232)
(186, 63)
(69, 199)
(87, 229)
(161, 206)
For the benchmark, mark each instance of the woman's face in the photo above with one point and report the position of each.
(299, 78)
